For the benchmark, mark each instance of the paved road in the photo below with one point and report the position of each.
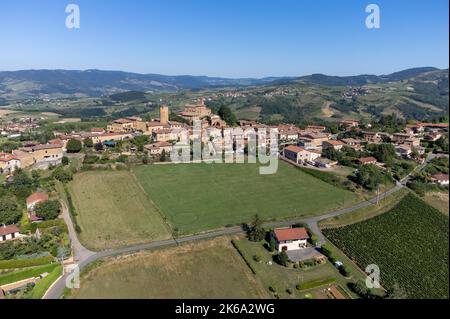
(85, 257)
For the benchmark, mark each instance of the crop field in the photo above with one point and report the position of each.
(206, 269)
(200, 197)
(113, 210)
(409, 243)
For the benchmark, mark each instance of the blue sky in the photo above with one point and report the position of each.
(231, 38)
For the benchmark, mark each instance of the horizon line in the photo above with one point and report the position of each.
(218, 76)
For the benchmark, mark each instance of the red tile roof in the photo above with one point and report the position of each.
(334, 142)
(295, 149)
(291, 233)
(6, 157)
(440, 177)
(37, 197)
(7, 230)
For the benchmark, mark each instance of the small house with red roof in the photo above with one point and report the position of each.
(8, 232)
(36, 198)
(441, 179)
(290, 238)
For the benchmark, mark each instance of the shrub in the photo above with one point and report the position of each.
(65, 160)
(326, 250)
(283, 259)
(272, 244)
(345, 271)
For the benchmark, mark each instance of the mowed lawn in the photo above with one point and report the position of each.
(200, 197)
(206, 269)
(113, 210)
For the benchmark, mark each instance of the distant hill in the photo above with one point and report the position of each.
(38, 83)
(93, 83)
(322, 79)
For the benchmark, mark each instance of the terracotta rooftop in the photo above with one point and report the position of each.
(440, 177)
(37, 197)
(7, 230)
(295, 149)
(365, 160)
(291, 233)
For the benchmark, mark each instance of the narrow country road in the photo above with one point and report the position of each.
(84, 257)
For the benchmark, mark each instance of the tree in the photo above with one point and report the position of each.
(272, 244)
(22, 186)
(73, 146)
(162, 158)
(331, 153)
(283, 258)
(65, 160)
(255, 231)
(88, 142)
(35, 175)
(48, 210)
(98, 147)
(9, 211)
(226, 115)
(62, 175)
(369, 176)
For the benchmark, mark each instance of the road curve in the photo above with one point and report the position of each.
(85, 257)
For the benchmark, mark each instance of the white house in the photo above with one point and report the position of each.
(8, 232)
(290, 238)
(299, 154)
(441, 179)
(8, 163)
(158, 147)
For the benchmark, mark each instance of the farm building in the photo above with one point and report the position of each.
(290, 238)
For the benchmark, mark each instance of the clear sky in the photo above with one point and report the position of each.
(231, 38)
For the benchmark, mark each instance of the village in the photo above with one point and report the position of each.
(363, 149)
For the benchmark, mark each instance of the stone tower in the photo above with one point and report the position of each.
(164, 114)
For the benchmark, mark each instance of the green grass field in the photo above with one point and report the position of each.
(114, 211)
(206, 269)
(409, 243)
(200, 197)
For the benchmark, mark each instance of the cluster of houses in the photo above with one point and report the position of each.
(32, 154)
(15, 127)
(302, 146)
(313, 140)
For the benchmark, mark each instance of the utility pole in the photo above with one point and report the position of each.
(378, 193)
